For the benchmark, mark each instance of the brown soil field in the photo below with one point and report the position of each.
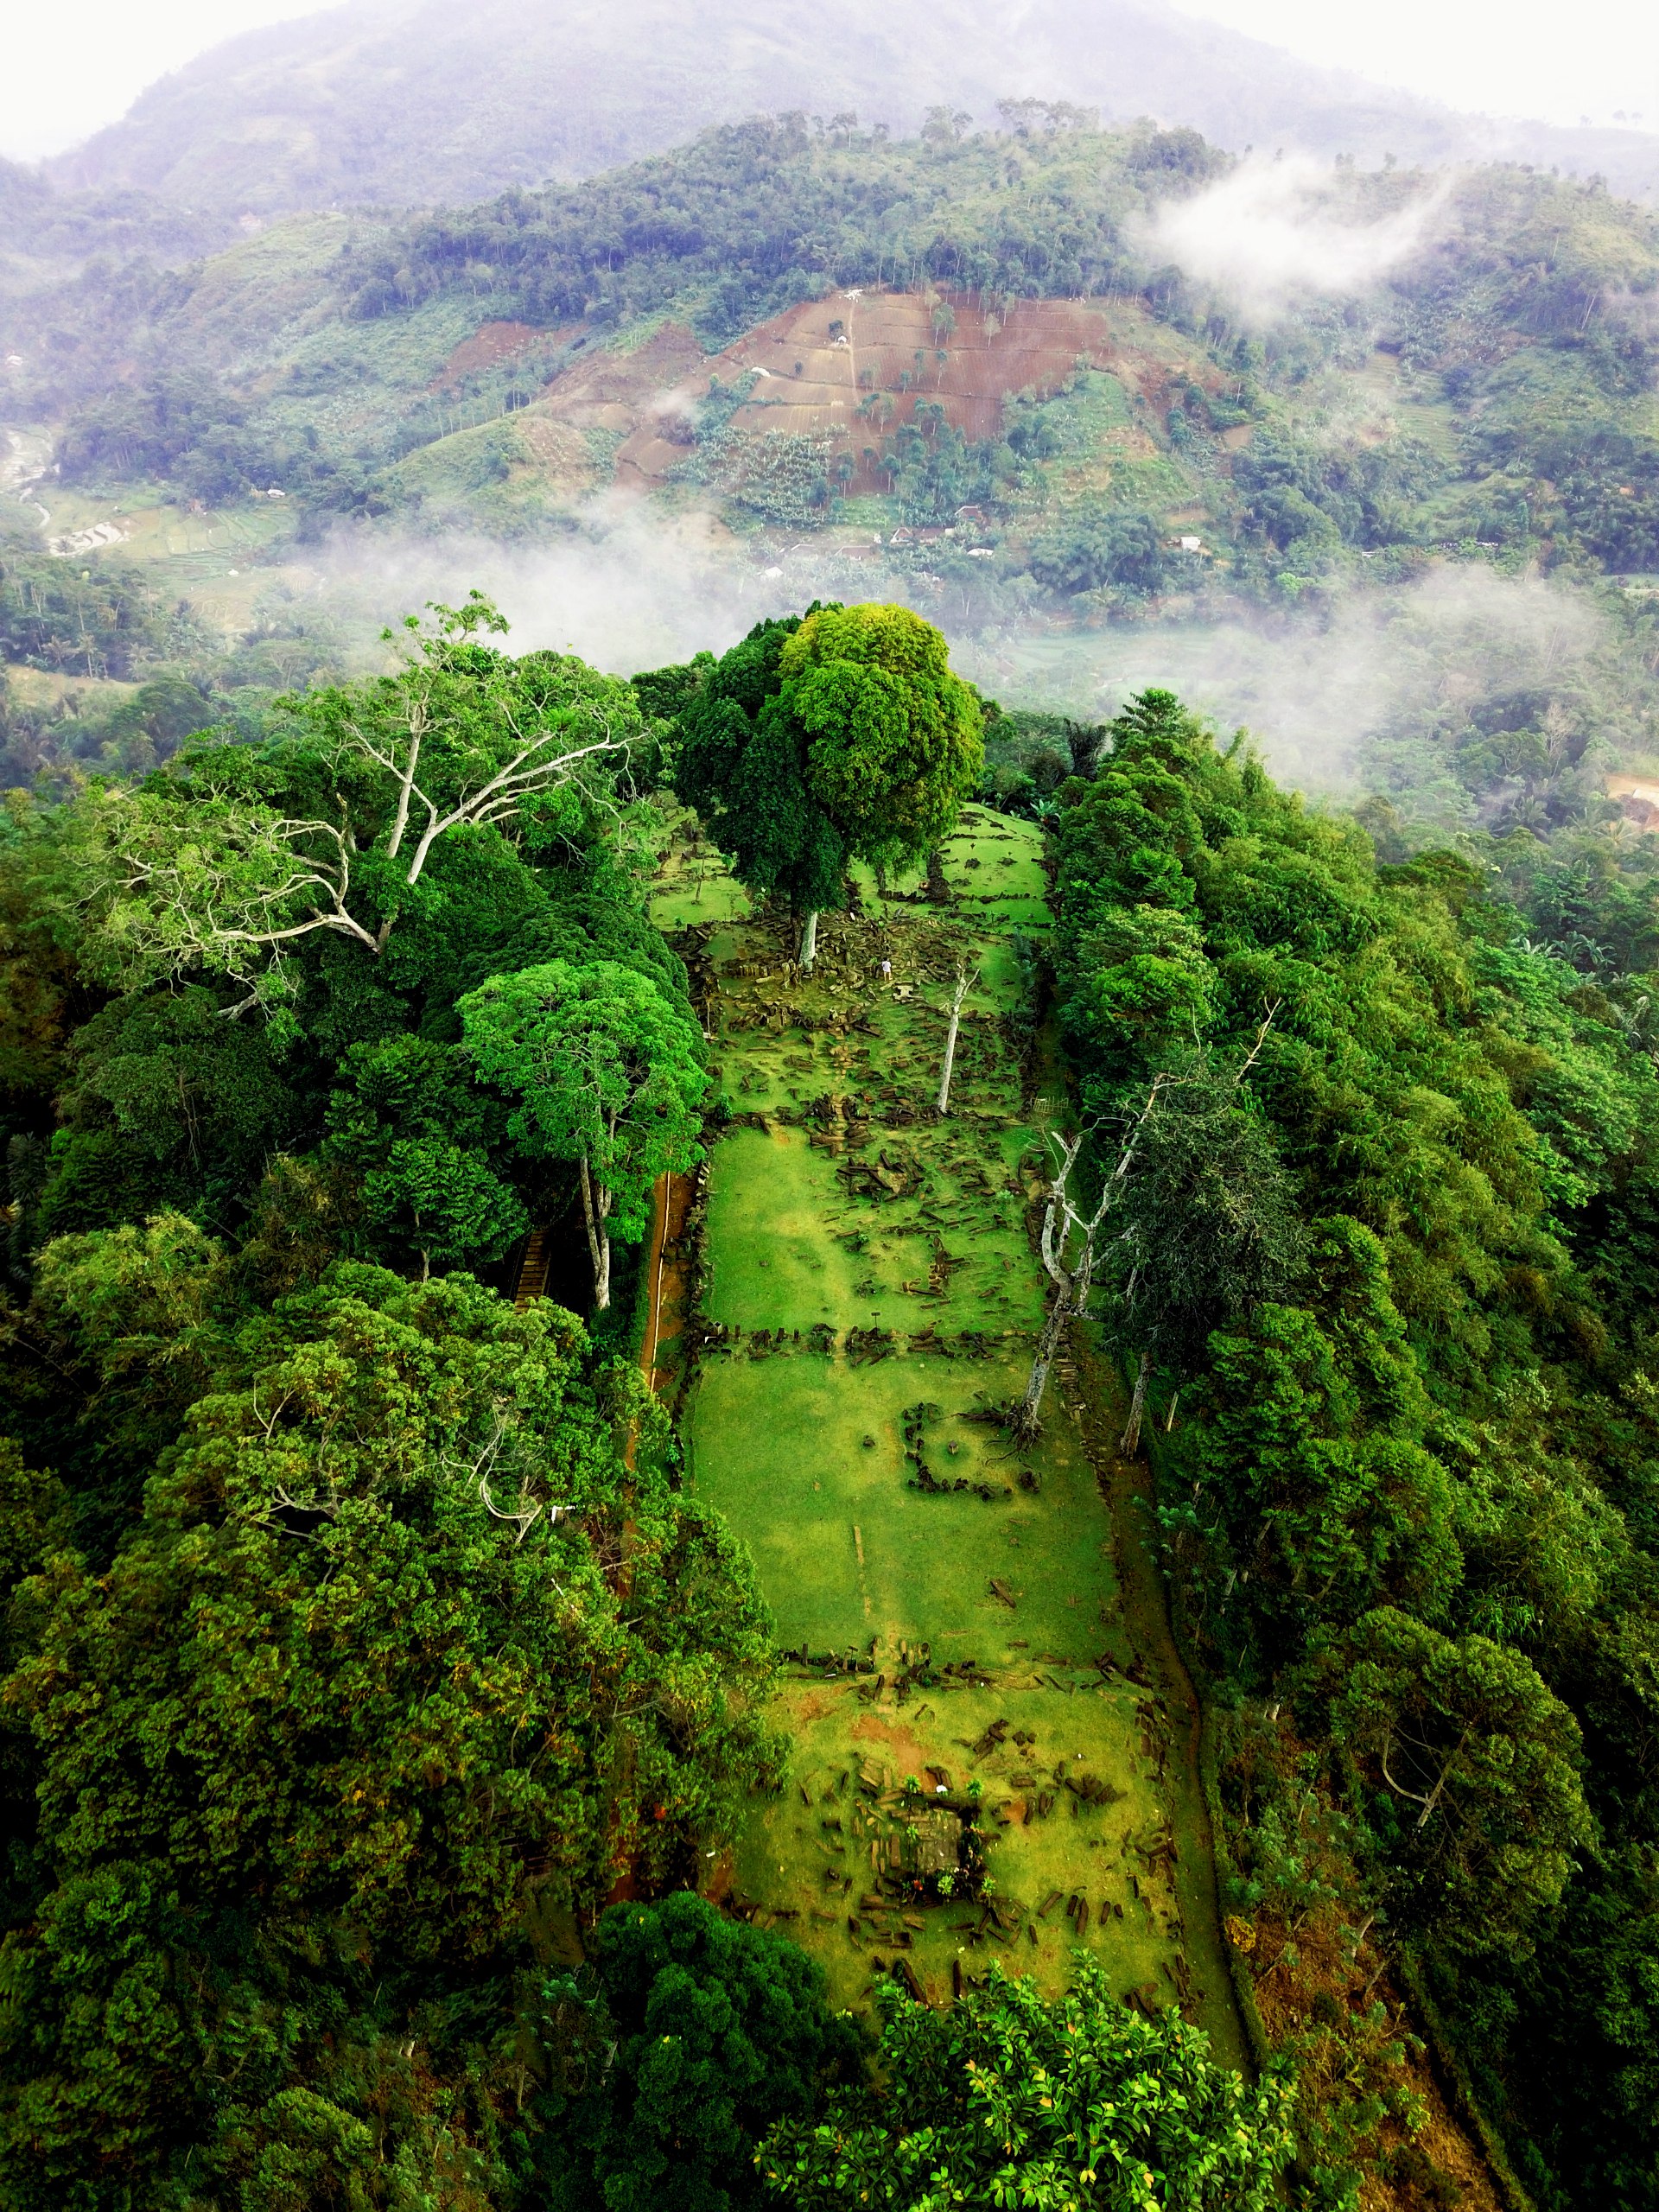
(1036, 349)
(631, 395)
(560, 453)
(1638, 796)
(491, 342)
(811, 379)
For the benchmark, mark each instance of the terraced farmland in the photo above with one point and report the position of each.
(964, 1692)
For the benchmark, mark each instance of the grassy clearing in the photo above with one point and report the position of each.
(809, 1858)
(869, 1290)
(692, 886)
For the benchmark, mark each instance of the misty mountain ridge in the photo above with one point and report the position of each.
(405, 103)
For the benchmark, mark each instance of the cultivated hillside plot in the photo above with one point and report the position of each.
(965, 1694)
(851, 368)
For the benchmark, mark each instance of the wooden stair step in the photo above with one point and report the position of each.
(532, 1272)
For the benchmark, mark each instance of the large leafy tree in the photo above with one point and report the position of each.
(399, 1661)
(608, 1073)
(1479, 1803)
(1005, 2100)
(225, 866)
(840, 734)
(743, 768)
(696, 2034)
(428, 1147)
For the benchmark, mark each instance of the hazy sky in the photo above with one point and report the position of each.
(68, 66)
(1597, 58)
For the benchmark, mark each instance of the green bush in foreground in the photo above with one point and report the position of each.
(1006, 2101)
(704, 2032)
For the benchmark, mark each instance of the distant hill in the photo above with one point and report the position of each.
(44, 234)
(854, 332)
(413, 103)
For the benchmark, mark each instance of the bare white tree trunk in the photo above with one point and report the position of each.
(417, 725)
(1029, 1419)
(595, 1207)
(942, 1104)
(1130, 1441)
(1072, 1283)
(809, 938)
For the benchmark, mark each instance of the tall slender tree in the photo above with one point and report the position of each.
(609, 1074)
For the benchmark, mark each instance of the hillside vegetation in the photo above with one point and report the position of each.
(442, 1766)
(1498, 388)
(952, 368)
(760, 1409)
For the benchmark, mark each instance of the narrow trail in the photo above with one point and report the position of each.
(1127, 1486)
(21, 473)
(664, 1272)
(530, 1282)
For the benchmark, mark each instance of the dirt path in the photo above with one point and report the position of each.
(1127, 1485)
(666, 1274)
(22, 470)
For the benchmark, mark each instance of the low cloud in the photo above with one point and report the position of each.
(1273, 232)
(1335, 701)
(1338, 701)
(630, 587)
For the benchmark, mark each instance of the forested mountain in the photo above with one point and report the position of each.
(968, 368)
(1512, 343)
(779, 1429)
(405, 103)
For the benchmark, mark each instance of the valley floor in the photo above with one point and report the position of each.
(961, 1644)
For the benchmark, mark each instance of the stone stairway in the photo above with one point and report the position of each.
(532, 1272)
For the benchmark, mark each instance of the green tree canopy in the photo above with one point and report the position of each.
(367, 1687)
(839, 735)
(608, 1073)
(428, 1145)
(701, 2032)
(1103, 548)
(225, 864)
(893, 738)
(743, 768)
(1307, 1472)
(1206, 1227)
(1427, 1461)
(1479, 1763)
(1004, 2099)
